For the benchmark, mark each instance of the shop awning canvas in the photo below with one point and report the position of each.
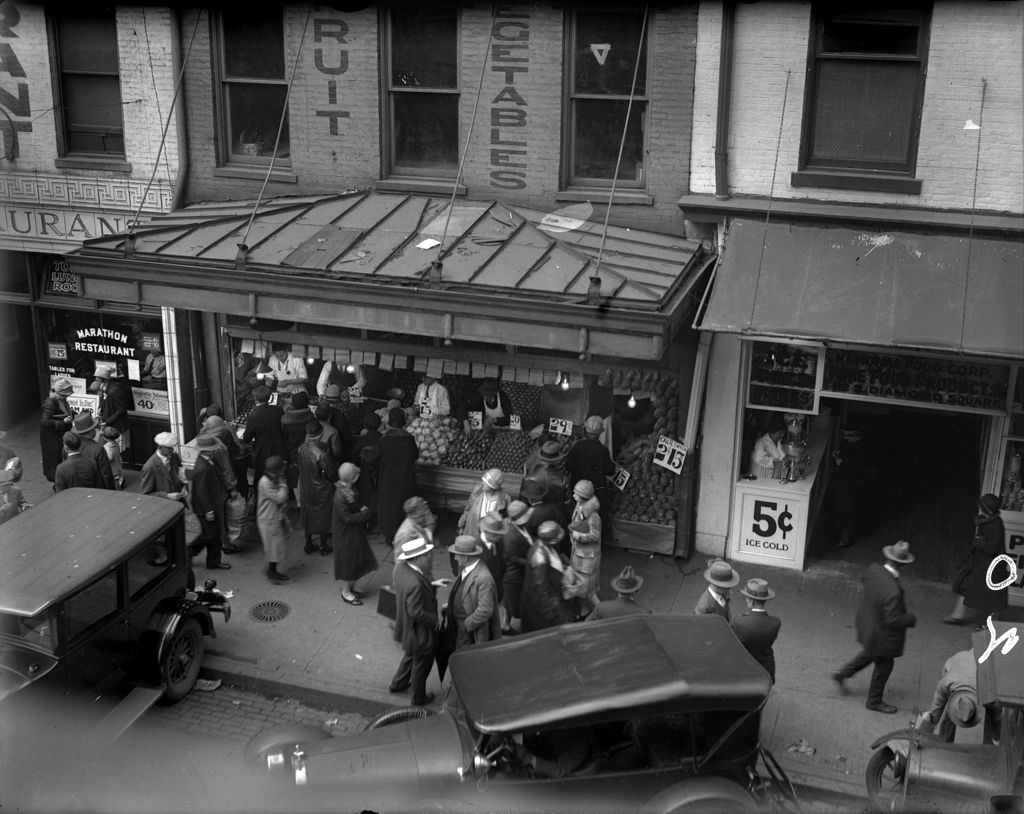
(887, 288)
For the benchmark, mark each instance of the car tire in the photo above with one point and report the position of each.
(394, 716)
(884, 777)
(180, 666)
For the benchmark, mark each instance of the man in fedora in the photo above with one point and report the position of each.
(75, 470)
(757, 628)
(55, 420)
(115, 400)
(209, 502)
(955, 702)
(493, 528)
(515, 546)
(720, 577)
(473, 601)
(84, 426)
(546, 469)
(416, 620)
(626, 585)
(882, 622)
(543, 603)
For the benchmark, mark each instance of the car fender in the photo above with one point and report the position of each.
(168, 616)
(711, 794)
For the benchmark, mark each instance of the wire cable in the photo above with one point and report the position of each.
(167, 123)
(974, 203)
(280, 127)
(640, 50)
(469, 135)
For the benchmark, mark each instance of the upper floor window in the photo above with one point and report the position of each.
(252, 85)
(604, 48)
(422, 90)
(90, 114)
(863, 105)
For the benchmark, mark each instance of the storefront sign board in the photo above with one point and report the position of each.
(770, 528)
(150, 402)
(916, 379)
(61, 281)
(670, 454)
(56, 350)
(515, 422)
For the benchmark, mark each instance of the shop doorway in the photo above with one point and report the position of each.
(923, 482)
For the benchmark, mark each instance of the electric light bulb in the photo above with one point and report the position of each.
(565, 382)
(310, 360)
(350, 368)
(632, 401)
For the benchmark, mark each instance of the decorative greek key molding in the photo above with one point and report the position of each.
(120, 195)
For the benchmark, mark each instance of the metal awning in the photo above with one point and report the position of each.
(898, 289)
(359, 249)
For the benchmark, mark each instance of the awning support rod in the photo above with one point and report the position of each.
(974, 204)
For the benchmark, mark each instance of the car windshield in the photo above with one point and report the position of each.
(39, 631)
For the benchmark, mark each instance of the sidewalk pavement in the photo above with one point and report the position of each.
(322, 648)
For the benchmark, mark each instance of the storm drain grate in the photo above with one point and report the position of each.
(272, 610)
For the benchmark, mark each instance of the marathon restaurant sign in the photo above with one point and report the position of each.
(102, 341)
(952, 383)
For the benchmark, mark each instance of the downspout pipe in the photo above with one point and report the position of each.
(181, 117)
(725, 51)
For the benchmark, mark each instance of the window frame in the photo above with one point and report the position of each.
(570, 181)
(873, 174)
(227, 158)
(390, 168)
(67, 155)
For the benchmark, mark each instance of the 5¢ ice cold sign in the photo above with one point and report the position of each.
(769, 527)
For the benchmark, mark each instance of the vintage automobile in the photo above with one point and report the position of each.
(642, 713)
(915, 771)
(85, 610)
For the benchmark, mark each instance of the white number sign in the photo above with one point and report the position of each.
(476, 419)
(670, 454)
(515, 422)
(620, 478)
(560, 426)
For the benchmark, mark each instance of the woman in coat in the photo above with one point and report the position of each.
(272, 495)
(396, 474)
(55, 420)
(488, 496)
(977, 601)
(353, 557)
(542, 603)
(316, 488)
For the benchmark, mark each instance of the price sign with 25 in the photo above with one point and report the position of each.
(670, 454)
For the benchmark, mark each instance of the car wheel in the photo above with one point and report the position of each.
(885, 777)
(180, 667)
(394, 716)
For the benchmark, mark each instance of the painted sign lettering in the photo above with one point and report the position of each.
(331, 65)
(15, 105)
(509, 56)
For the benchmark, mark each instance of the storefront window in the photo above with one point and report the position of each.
(1011, 478)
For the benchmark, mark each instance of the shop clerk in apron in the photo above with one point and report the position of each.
(431, 399)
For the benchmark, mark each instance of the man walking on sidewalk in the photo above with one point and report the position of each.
(416, 620)
(882, 622)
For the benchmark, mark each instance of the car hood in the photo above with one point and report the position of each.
(417, 756)
(20, 666)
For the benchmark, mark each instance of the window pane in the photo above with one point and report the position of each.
(868, 38)
(597, 130)
(606, 48)
(91, 604)
(424, 51)
(864, 111)
(92, 111)
(426, 130)
(254, 44)
(253, 114)
(88, 42)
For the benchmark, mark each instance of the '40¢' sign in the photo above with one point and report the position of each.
(670, 454)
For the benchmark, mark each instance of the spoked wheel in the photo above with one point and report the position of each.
(885, 776)
(184, 657)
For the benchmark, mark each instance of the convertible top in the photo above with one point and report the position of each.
(70, 539)
(589, 672)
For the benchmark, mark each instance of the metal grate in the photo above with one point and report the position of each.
(272, 610)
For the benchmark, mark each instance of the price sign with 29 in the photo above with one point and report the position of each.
(560, 426)
(670, 454)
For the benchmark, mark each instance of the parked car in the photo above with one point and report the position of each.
(915, 771)
(96, 590)
(642, 713)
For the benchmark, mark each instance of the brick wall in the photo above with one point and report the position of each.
(969, 41)
(519, 164)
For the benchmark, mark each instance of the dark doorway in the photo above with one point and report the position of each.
(922, 486)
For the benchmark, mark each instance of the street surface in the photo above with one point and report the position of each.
(188, 757)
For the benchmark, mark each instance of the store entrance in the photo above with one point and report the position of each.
(922, 485)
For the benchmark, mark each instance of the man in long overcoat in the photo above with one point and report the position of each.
(84, 426)
(317, 473)
(75, 470)
(757, 628)
(55, 420)
(396, 474)
(473, 601)
(263, 431)
(416, 620)
(543, 605)
(882, 622)
(209, 498)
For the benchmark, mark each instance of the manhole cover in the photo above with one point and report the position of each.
(270, 611)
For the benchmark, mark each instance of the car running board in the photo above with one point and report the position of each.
(134, 705)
